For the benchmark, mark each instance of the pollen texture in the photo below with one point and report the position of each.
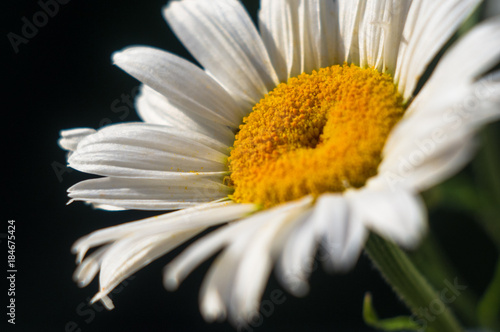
(320, 132)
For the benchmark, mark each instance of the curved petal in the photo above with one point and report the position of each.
(467, 60)
(297, 258)
(397, 215)
(336, 229)
(71, 137)
(202, 215)
(133, 253)
(237, 59)
(446, 114)
(430, 24)
(186, 86)
(88, 269)
(155, 108)
(438, 138)
(344, 233)
(139, 243)
(247, 261)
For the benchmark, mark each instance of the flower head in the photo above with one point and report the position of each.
(305, 135)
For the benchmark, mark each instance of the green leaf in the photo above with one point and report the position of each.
(399, 323)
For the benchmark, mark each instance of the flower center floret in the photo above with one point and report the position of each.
(320, 132)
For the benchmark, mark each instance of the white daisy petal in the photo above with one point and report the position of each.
(442, 134)
(238, 59)
(300, 41)
(397, 215)
(380, 33)
(130, 254)
(155, 108)
(278, 27)
(146, 194)
(256, 263)
(430, 24)
(275, 24)
(213, 294)
(343, 234)
(221, 277)
(186, 86)
(350, 15)
(296, 261)
(88, 269)
(203, 215)
(107, 303)
(334, 227)
(144, 150)
(319, 34)
(195, 254)
(442, 165)
(131, 131)
(106, 207)
(249, 242)
(70, 138)
(462, 65)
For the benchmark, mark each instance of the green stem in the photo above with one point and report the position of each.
(411, 286)
(432, 262)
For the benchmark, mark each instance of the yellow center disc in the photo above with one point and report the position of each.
(320, 132)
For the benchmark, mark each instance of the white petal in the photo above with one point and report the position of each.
(221, 36)
(87, 270)
(201, 250)
(203, 215)
(238, 234)
(130, 254)
(301, 35)
(146, 194)
(297, 259)
(380, 33)
(467, 60)
(319, 34)
(350, 15)
(145, 150)
(276, 25)
(259, 255)
(334, 226)
(429, 26)
(71, 137)
(216, 286)
(155, 108)
(186, 86)
(105, 207)
(397, 215)
(437, 138)
(343, 232)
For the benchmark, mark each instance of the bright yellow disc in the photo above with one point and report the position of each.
(320, 132)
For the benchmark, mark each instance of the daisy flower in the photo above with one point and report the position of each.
(303, 135)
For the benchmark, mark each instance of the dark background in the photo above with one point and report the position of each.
(63, 78)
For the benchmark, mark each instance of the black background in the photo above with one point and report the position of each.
(63, 78)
